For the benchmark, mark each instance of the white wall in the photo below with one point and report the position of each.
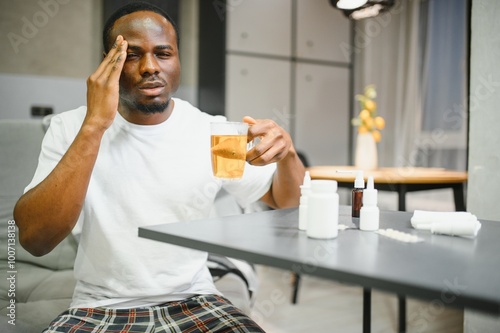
(484, 119)
(19, 93)
(188, 28)
(484, 136)
(50, 37)
(50, 47)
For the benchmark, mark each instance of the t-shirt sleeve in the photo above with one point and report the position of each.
(54, 145)
(256, 181)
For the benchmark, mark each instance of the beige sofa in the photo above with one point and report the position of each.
(43, 286)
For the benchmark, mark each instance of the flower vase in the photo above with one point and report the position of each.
(365, 157)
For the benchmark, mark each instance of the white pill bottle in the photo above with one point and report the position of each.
(323, 210)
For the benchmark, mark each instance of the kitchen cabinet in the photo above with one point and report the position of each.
(260, 26)
(258, 87)
(285, 61)
(323, 33)
(322, 119)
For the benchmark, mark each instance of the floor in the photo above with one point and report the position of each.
(328, 306)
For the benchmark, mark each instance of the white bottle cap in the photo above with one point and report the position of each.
(370, 193)
(323, 186)
(360, 181)
(307, 179)
(305, 188)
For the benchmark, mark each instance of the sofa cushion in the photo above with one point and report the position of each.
(43, 285)
(33, 317)
(40, 295)
(35, 283)
(20, 143)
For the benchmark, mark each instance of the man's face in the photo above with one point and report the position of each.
(151, 72)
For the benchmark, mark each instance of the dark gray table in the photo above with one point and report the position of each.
(454, 271)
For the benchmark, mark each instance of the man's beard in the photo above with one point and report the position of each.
(149, 108)
(152, 107)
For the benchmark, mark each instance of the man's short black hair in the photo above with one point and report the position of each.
(132, 7)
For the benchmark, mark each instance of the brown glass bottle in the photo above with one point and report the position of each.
(356, 201)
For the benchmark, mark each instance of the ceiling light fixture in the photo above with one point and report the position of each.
(361, 9)
(350, 4)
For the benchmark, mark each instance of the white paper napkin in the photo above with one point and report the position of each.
(447, 223)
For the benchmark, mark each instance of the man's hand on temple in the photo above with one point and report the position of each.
(103, 87)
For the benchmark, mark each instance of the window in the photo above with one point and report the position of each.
(445, 58)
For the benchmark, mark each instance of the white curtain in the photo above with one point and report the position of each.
(443, 139)
(387, 53)
(416, 55)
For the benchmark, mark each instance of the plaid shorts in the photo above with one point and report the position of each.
(203, 313)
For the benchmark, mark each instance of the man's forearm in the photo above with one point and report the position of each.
(285, 190)
(47, 213)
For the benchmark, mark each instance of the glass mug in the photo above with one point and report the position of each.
(228, 146)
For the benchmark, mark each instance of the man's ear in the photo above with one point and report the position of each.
(103, 54)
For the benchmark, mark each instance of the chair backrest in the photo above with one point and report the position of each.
(303, 158)
(20, 143)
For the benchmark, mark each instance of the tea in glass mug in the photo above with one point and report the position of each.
(228, 149)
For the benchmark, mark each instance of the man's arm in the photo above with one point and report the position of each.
(47, 213)
(276, 146)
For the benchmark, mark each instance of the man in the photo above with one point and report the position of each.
(136, 156)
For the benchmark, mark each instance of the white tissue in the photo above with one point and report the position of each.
(423, 219)
(447, 223)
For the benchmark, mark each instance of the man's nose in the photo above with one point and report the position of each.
(149, 65)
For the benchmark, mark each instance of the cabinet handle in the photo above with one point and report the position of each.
(244, 72)
(244, 35)
(310, 43)
(309, 78)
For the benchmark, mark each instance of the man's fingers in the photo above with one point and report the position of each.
(115, 63)
(252, 131)
(108, 56)
(269, 156)
(274, 142)
(103, 84)
(112, 58)
(249, 120)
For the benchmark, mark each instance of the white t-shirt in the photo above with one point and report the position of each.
(145, 175)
